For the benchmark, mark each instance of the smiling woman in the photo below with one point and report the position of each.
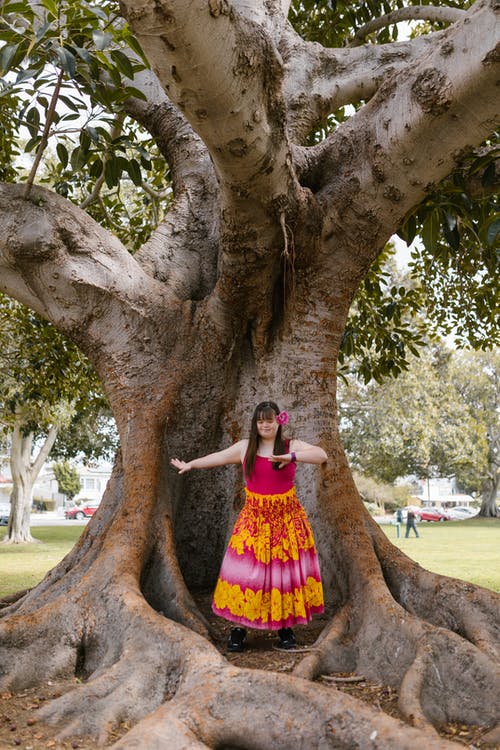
(269, 578)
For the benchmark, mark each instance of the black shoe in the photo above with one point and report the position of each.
(286, 639)
(236, 640)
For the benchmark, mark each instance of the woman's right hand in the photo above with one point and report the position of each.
(181, 466)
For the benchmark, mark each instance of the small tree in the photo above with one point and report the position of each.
(47, 389)
(68, 479)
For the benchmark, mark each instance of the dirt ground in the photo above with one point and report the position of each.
(18, 712)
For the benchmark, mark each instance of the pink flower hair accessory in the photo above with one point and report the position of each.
(282, 417)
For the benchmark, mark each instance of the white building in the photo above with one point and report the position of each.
(440, 492)
(93, 481)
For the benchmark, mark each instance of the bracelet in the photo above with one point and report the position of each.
(293, 459)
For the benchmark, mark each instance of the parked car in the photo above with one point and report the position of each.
(4, 514)
(461, 513)
(85, 510)
(432, 514)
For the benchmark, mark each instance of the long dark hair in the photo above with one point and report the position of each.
(264, 410)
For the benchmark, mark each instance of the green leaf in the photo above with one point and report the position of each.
(134, 171)
(33, 121)
(489, 176)
(123, 63)
(130, 91)
(112, 173)
(51, 6)
(68, 62)
(95, 170)
(430, 232)
(32, 144)
(451, 232)
(85, 141)
(493, 232)
(6, 57)
(70, 103)
(102, 39)
(136, 47)
(62, 153)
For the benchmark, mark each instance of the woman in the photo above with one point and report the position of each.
(269, 578)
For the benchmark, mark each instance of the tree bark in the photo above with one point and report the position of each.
(489, 495)
(186, 342)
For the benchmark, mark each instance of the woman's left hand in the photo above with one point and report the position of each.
(282, 460)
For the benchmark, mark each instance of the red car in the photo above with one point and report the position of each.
(431, 514)
(82, 511)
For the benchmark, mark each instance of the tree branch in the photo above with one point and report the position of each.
(93, 196)
(412, 13)
(319, 80)
(388, 156)
(45, 136)
(44, 451)
(60, 262)
(224, 74)
(195, 191)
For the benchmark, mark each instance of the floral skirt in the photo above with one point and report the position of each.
(270, 578)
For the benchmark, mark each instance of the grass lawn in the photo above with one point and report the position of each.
(462, 549)
(24, 565)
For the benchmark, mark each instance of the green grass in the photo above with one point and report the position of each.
(462, 549)
(24, 565)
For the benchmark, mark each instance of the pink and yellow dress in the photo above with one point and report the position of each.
(270, 578)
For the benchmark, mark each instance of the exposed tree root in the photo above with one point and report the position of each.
(121, 627)
(468, 610)
(441, 675)
(136, 661)
(411, 688)
(249, 709)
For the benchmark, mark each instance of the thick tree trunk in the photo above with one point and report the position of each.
(116, 604)
(21, 499)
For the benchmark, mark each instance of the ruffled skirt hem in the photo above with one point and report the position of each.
(270, 575)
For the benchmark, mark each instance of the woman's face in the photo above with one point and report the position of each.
(267, 426)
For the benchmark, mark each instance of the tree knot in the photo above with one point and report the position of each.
(432, 91)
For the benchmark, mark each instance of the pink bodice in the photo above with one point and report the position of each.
(267, 481)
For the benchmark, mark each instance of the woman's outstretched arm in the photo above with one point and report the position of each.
(232, 455)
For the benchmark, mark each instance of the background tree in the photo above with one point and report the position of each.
(48, 391)
(417, 424)
(475, 375)
(68, 479)
(450, 430)
(280, 204)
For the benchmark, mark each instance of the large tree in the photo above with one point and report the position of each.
(243, 292)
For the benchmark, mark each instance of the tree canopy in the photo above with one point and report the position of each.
(68, 84)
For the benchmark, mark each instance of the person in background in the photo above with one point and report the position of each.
(411, 523)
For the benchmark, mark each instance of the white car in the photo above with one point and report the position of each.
(461, 513)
